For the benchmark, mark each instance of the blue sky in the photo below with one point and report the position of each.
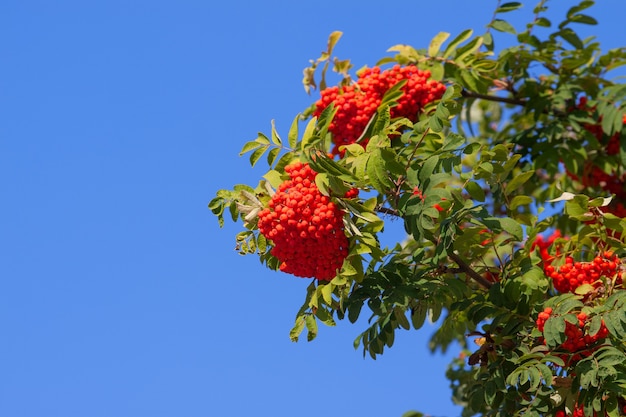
(120, 296)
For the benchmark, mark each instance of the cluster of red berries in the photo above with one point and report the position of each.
(611, 143)
(578, 412)
(596, 177)
(578, 341)
(305, 227)
(357, 103)
(571, 275)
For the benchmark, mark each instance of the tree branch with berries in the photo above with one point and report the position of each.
(511, 190)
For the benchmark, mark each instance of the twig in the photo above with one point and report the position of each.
(508, 100)
(469, 271)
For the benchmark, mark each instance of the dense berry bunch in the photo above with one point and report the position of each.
(358, 102)
(611, 143)
(571, 275)
(594, 175)
(305, 227)
(578, 341)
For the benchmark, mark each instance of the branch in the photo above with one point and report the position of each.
(387, 210)
(508, 100)
(469, 271)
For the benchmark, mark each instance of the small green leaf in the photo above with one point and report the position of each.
(327, 293)
(275, 138)
(462, 37)
(475, 191)
(512, 227)
(293, 133)
(333, 39)
(503, 26)
(274, 178)
(520, 200)
(249, 146)
(584, 19)
(517, 181)
(554, 331)
(311, 327)
(418, 316)
(271, 156)
(571, 37)
(508, 7)
(543, 22)
(308, 134)
(295, 332)
(436, 42)
(256, 155)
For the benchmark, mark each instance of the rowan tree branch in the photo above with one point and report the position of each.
(470, 94)
(469, 271)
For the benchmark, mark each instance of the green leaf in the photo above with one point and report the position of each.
(508, 7)
(475, 191)
(584, 19)
(613, 323)
(517, 181)
(436, 42)
(249, 146)
(520, 200)
(543, 22)
(512, 227)
(577, 206)
(256, 155)
(295, 332)
(571, 37)
(418, 316)
(452, 141)
(292, 137)
(311, 327)
(579, 7)
(393, 94)
(554, 331)
(435, 124)
(400, 317)
(327, 293)
(274, 178)
(503, 26)
(271, 156)
(437, 70)
(427, 169)
(462, 37)
(308, 134)
(275, 138)
(325, 316)
(333, 38)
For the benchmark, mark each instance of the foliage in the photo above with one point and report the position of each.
(490, 160)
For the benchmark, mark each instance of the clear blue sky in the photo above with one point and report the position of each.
(120, 296)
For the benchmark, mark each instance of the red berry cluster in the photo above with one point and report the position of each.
(578, 412)
(571, 275)
(593, 175)
(357, 103)
(305, 227)
(578, 341)
(611, 143)
(351, 193)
